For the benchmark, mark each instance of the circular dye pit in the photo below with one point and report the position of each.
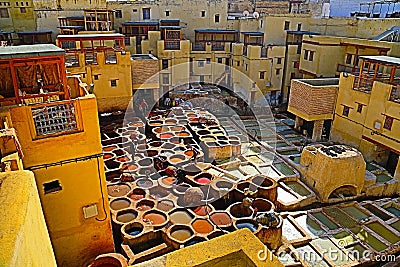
(202, 226)
(182, 134)
(144, 183)
(120, 204)
(169, 181)
(165, 205)
(202, 210)
(144, 205)
(126, 216)
(145, 162)
(176, 158)
(203, 180)
(189, 153)
(129, 167)
(109, 148)
(155, 218)
(137, 194)
(180, 217)
(221, 219)
(123, 159)
(118, 190)
(134, 229)
(166, 135)
(158, 192)
(239, 211)
(181, 234)
(108, 156)
(251, 225)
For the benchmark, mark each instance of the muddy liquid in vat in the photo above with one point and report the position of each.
(180, 217)
(155, 218)
(221, 219)
(126, 217)
(202, 226)
(181, 234)
(118, 190)
(120, 204)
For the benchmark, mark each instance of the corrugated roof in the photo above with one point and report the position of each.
(383, 59)
(22, 51)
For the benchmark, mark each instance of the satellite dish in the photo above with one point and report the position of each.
(256, 15)
(246, 13)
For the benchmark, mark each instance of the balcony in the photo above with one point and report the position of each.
(349, 69)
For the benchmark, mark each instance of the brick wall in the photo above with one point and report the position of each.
(142, 70)
(313, 100)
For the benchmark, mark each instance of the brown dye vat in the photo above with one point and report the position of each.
(204, 132)
(120, 204)
(165, 205)
(221, 219)
(206, 139)
(107, 156)
(170, 121)
(112, 164)
(126, 216)
(161, 129)
(262, 205)
(123, 159)
(129, 167)
(113, 176)
(202, 210)
(158, 192)
(118, 190)
(191, 169)
(202, 226)
(118, 152)
(268, 188)
(109, 260)
(181, 234)
(239, 211)
(152, 153)
(169, 181)
(242, 186)
(144, 205)
(177, 129)
(137, 194)
(155, 218)
(176, 158)
(193, 119)
(109, 148)
(155, 144)
(180, 217)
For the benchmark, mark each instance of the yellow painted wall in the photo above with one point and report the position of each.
(76, 240)
(18, 20)
(24, 238)
(108, 98)
(349, 130)
(239, 248)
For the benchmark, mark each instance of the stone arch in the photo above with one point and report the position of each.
(344, 190)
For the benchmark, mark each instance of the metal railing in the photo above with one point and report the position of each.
(172, 45)
(52, 119)
(218, 46)
(199, 46)
(395, 94)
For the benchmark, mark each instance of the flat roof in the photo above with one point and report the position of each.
(170, 20)
(215, 31)
(34, 32)
(253, 33)
(90, 36)
(383, 59)
(303, 32)
(171, 27)
(140, 23)
(70, 27)
(22, 51)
